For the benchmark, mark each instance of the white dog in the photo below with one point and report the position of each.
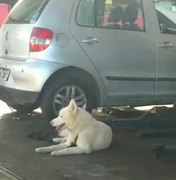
(85, 132)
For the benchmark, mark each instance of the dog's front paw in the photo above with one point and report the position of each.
(55, 153)
(39, 150)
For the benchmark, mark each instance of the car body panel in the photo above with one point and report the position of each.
(14, 41)
(118, 58)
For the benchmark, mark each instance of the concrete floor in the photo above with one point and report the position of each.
(129, 158)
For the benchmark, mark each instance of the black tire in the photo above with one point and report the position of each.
(49, 98)
(24, 108)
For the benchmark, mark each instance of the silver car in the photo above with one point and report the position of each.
(98, 52)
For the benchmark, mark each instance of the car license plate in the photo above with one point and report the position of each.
(4, 74)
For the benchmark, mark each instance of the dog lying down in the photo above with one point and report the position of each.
(84, 132)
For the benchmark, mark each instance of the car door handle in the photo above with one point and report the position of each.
(90, 40)
(166, 45)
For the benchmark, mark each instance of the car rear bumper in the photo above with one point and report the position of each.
(28, 75)
(25, 80)
(14, 97)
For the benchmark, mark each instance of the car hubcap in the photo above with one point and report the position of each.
(65, 94)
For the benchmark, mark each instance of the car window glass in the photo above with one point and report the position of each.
(118, 14)
(26, 11)
(166, 14)
(85, 14)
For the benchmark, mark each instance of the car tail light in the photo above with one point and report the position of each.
(40, 39)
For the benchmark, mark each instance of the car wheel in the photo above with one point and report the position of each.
(59, 93)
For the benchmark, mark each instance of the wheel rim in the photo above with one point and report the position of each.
(65, 94)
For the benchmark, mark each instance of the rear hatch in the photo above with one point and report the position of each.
(16, 31)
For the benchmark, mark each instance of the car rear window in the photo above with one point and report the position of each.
(26, 11)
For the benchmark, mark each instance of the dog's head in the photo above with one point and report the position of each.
(66, 117)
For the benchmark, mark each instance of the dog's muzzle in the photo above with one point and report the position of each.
(60, 128)
(58, 123)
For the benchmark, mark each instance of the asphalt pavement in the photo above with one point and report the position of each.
(130, 156)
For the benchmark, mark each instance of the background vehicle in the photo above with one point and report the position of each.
(5, 6)
(4, 9)
(79, 52)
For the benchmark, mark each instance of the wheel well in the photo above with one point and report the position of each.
(76, 73)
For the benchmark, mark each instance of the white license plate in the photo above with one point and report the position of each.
(4, 74)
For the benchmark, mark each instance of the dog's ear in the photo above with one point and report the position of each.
(72, 106)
